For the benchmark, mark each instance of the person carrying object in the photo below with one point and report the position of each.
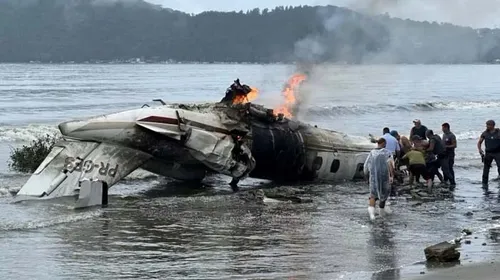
(417, 166)
(491, 139)
(379, 170)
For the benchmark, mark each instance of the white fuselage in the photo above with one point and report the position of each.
(329, 155)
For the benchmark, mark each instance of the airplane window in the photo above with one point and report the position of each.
(335, 166)
(359, 173)
(317, 163)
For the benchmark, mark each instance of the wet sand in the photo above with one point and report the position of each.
(481, 271)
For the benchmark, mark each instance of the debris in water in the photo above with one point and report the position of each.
(421, 193)
(278, 193)
(467, 231)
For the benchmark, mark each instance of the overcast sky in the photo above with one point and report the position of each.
(476, 13)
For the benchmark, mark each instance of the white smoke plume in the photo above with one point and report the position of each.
(402, 42)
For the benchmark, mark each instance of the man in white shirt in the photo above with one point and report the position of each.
(392, 143)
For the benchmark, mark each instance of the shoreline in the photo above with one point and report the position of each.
(478, 271)
(479, 260)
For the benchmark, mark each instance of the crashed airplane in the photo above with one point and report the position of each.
(233, 137)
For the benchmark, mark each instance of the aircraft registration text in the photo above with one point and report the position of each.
(75, 164)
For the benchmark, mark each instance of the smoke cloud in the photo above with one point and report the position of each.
(474, 13)
(392, 40)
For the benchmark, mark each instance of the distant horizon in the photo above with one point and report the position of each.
(467, 13)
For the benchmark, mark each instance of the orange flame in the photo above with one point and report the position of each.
(240, 99)
(289, 93)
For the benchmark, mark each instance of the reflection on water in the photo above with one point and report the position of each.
(172, 237)
(176, 231)
(382, 251)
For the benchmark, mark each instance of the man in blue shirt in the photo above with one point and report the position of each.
(392, 143)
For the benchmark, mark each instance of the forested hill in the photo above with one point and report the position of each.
(119, 30)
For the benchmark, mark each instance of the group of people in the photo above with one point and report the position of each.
(423, 153)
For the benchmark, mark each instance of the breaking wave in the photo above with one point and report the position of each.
(416, 107)
(54, 220)
(26, 133)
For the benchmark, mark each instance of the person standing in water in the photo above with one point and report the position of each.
(379, 168)
(418, 129)
(491, 138)
(437, 150)
(450, 144)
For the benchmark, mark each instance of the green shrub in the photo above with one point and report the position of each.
(27, 158)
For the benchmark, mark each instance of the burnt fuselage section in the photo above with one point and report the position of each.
(289, 150)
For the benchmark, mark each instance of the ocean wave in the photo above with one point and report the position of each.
(26, 133)
(334, 110)
(53, 220)
(468, 135)
(71, 107)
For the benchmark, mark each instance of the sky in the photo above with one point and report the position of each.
(475, 13)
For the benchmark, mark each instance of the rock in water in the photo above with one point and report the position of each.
(256, 195)
(442, 252)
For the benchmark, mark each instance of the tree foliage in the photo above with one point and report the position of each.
(106, 30)
(27, 158)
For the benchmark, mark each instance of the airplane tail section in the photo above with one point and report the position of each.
(70, 162)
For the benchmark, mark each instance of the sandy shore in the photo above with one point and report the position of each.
(481, 271)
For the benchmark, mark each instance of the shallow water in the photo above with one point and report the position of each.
(158, 228)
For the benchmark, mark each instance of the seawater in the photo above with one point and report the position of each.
(158, 228)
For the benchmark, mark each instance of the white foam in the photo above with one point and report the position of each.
(4, 191)
(43, 222)
(468, 135)
(466, 105)
(26, 133)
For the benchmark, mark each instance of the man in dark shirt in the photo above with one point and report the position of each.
(436, 148)
(450, 144)
(491, 138)
(418, 129)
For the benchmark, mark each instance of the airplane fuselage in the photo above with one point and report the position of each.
(283, 151)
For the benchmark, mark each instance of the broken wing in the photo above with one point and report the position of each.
(70, 161)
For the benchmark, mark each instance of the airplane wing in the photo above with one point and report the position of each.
(71, 161)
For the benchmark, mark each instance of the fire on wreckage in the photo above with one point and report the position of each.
(233, 137)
